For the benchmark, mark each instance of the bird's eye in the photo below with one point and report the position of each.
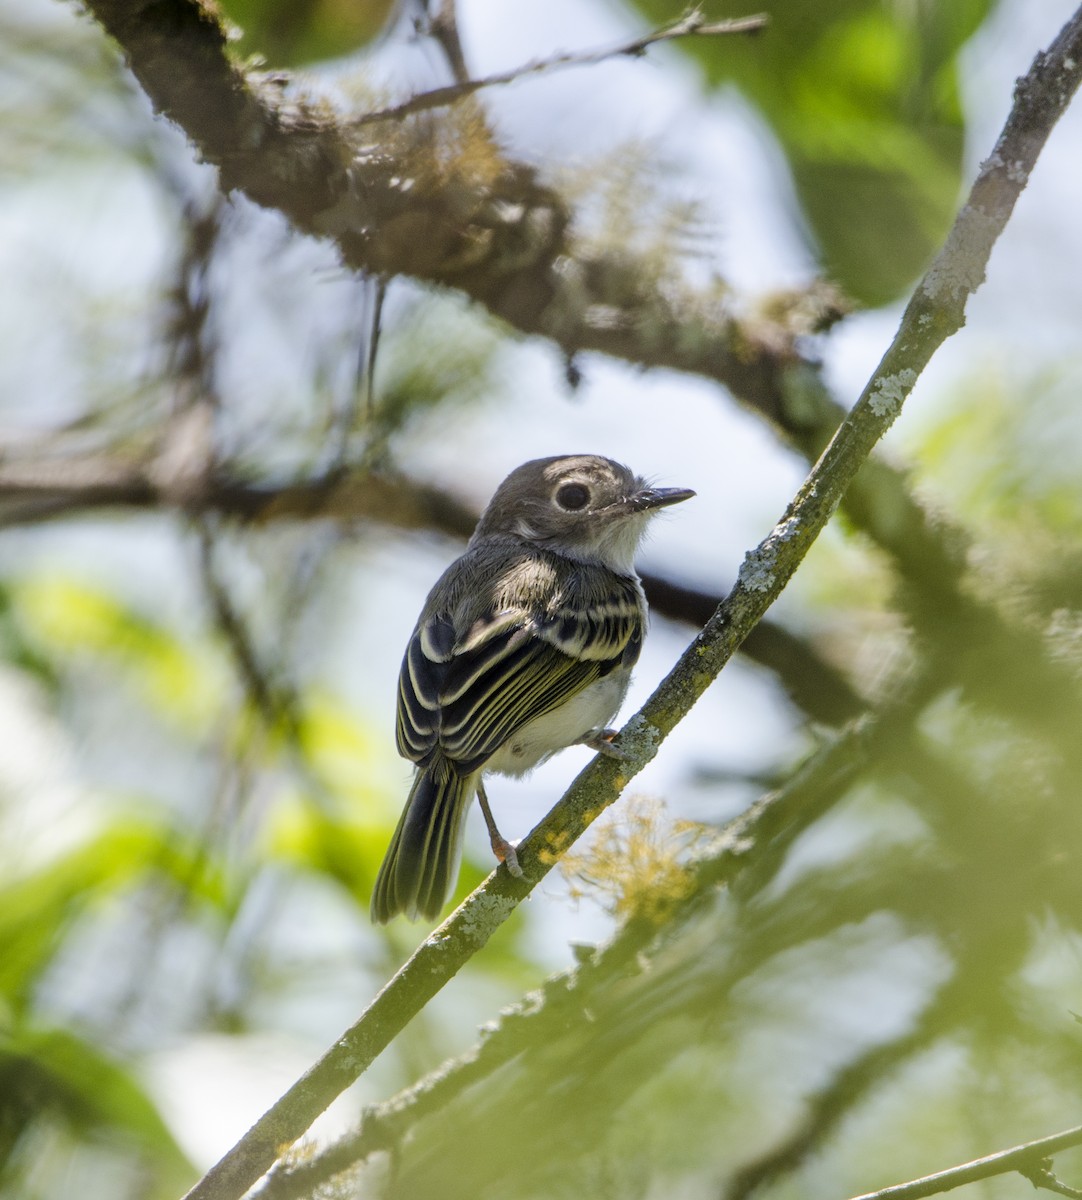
(573, 496)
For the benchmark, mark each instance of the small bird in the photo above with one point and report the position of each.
(524, 646)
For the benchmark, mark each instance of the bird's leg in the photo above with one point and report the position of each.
(601, 740)
(501, 847)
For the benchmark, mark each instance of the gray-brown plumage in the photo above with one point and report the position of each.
(524, 646)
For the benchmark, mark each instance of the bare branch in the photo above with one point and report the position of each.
(38, 491)
(1026, 1159)
(692, 24)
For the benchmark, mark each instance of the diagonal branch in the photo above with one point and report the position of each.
(936, 310)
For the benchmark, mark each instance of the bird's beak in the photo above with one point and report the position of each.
(655, 497)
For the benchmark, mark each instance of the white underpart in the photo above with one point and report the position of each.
(593, 708)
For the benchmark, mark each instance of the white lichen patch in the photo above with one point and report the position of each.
(486, 911)
(786, 530)
(888, 394)
(959, 267)
(639, 738)
(757, 570)
(1016, 172)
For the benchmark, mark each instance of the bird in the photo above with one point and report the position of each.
(524, 646)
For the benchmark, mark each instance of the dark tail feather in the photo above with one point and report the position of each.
(421, 866)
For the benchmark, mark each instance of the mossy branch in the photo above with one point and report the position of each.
(936, 311)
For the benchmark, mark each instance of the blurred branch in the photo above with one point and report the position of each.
(1027, 1159)
(36, 491)
(936, 310)
(692, 24)
(443, 29)
(275, 704)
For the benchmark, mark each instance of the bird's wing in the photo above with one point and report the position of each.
(467, 696)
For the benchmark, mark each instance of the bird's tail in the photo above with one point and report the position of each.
(421, 867)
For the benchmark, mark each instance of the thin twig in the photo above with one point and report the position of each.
(374, 335)
(692, 24)
(275, 700)
(1024, 1159)
(264, 695)
(361, 401)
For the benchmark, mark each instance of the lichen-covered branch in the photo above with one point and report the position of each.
(738, 856)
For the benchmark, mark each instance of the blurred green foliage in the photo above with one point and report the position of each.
(862, 96)
(54, 1075)
(290, 33)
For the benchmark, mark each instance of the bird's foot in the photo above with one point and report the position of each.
(505, 852)
(602, 741)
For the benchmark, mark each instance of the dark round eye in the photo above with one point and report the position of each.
(573, 496)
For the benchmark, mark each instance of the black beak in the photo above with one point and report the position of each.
(655, 497)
